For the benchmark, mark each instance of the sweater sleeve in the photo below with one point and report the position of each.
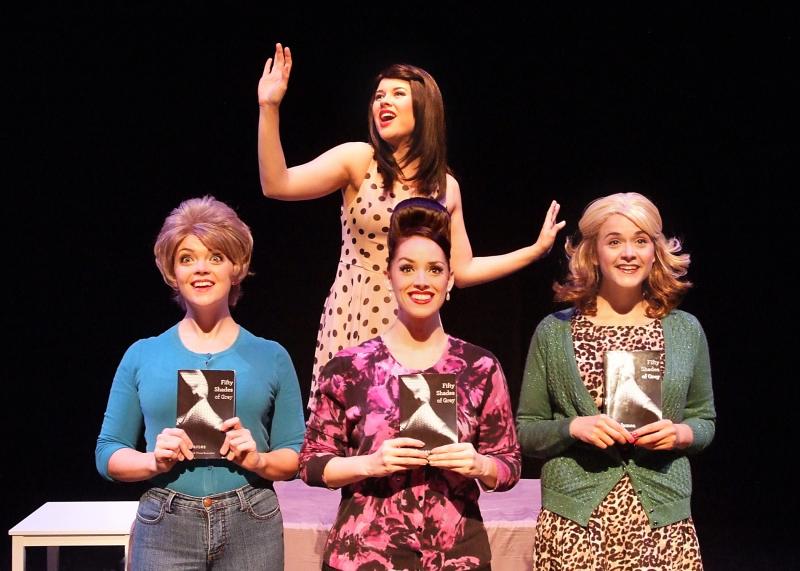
(699, 413)
(123, 420)
(541, 434)
(287, 427)
(326, 431)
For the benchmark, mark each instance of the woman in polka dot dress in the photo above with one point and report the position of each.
(406, 157)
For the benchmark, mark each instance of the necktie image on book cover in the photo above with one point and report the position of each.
(206, 398)
(633, 387)
(428, 408)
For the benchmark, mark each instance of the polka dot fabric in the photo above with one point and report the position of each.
(359, 305)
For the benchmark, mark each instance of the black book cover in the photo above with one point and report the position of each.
(428, 408)
(633, 387)
(206, 398)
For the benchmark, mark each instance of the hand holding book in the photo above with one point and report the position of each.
(172, 445)
(463, 459)
(599, 430)
(239, 446)
(395, 455)
(664, 435)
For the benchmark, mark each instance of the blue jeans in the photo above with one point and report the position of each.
(237, 530)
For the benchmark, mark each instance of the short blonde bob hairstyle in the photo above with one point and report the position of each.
(663, 289)
(218, 227)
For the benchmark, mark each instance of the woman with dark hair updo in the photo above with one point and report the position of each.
(407, 504)
(617, 496)
(204, 513)
(406, 157)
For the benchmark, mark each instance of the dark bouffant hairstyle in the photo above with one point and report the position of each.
(419, 217)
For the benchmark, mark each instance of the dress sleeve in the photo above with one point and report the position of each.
(699, 412)
(287, 425)
(498, 436)
(326, 431)
(123, 420)
(541, 434)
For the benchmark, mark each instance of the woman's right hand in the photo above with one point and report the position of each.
(172, 445)
(395, 455)
(273, 83)
(600, 430)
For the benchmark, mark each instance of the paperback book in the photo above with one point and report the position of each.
(428, 408)
(633, 387)
(206, 398)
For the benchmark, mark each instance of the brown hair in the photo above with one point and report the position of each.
(419, 217)
(217, 226)
(428, 140)
(663, 289)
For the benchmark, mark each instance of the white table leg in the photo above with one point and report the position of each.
(17, 554)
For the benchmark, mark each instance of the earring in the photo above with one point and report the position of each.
(447, 297)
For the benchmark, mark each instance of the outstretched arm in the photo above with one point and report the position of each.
(340, 167)
(470, 270)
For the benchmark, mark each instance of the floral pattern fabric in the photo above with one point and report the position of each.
(426, 518)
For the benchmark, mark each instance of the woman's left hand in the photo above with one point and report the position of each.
(550, 228)
(461, 458)
(239, 446)
(663, 435)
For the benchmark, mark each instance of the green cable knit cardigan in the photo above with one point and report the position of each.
(577, 476)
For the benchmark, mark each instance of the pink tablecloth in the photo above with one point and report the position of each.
(308, 514)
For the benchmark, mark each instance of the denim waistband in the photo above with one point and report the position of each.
(240, 496)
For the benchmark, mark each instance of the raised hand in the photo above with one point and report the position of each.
(275, 79)
(550, 228)
(600, 430)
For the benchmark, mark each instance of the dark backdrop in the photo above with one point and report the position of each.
(118, 112)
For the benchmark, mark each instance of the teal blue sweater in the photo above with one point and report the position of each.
(144, 395)
(577, 476)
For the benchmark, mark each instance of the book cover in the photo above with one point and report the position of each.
(633, 387)
(206, 398)
(428, 408)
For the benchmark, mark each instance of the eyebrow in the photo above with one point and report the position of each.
(395, 88)
(210, 251)
(434, 262)
(637, 233)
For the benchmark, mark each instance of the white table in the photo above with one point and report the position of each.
(71, 524)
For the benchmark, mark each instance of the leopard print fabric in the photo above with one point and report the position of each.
(619, 536)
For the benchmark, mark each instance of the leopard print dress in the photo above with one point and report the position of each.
(619, 536)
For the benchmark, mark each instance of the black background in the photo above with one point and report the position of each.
(117, 112)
